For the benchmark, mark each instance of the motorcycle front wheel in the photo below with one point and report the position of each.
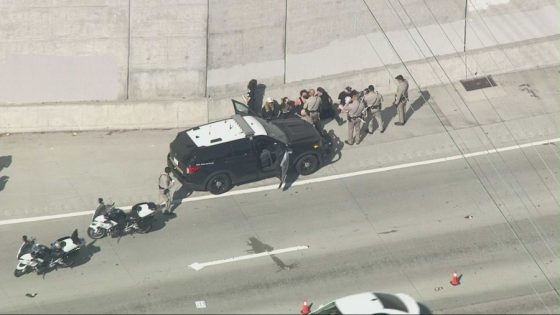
(100, 233)
(18, 273)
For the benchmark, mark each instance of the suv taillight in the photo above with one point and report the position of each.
(192, 169)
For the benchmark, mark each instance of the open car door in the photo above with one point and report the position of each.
(284, 164)
(242, 109)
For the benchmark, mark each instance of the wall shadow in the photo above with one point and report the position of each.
(417, 104)
(259, 247)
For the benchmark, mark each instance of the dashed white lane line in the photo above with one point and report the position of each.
(197, 266)
(304, 181)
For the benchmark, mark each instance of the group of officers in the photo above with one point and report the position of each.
(367, 106)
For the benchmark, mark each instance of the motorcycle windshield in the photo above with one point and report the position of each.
(23, 249)
(102, 209)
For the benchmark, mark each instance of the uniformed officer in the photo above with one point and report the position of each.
(312, 106)
(354, 110)
(165, 184)
(401, 97)
(373, 103)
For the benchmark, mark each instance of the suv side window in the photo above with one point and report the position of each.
(240, 148)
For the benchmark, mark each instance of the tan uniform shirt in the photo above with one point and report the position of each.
(402, 91)
(354, 108)
(373, 99)
(312, 103)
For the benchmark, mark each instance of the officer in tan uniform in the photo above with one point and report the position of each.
(312, 106)
(373, 103)
(354, 110)
(401, 97)
(165, 182)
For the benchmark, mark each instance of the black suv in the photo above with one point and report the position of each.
(245, 148)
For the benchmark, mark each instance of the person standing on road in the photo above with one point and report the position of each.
(165, 184)
(401, 97)
(354, 110)
(250, 96)
(312, 106)
(373, 103)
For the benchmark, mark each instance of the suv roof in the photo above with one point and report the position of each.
(235, 128)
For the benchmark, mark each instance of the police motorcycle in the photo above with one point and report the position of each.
(109, 220)
(35, 257)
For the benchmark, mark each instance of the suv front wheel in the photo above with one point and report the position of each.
(219, 184)
(307, 165)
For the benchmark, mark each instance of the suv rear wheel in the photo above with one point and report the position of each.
(307, 165)
(219, 184)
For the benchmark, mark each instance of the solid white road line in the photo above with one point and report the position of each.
(304, 181)
(197, 266)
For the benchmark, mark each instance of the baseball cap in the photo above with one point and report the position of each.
(269, 100)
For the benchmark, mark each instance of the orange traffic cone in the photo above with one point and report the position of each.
(455, 279)
(305, 308)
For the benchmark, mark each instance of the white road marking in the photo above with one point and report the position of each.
(302, 182)
(197, 266)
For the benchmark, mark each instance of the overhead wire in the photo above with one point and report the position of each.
(449, 134)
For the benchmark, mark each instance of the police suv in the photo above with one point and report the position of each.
(216, 156)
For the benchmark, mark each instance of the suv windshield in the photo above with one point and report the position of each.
(273, 130)
(390, 301)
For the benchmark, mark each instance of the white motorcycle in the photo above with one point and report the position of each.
(32, 256)
(108, 220)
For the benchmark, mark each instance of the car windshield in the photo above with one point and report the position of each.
(273, 130)
(329, 309)
(390, 301)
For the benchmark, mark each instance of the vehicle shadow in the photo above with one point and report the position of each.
(85, 254)
(332, 156)
(259, 247)
(417, 104)
(160, 221)
(424, 310)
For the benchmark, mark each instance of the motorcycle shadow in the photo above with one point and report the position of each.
(85, 254)
(161, 221)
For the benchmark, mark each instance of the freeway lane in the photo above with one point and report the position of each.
(398, 231)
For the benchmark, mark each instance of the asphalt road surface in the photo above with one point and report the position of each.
(493, 218)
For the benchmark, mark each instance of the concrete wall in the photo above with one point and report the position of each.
(79, 50)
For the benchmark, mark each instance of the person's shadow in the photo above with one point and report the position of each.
(388, 113)
(5, 161)
(417, 104)
(337, 145)
(3, 181)
(179, 195)
(259, 247)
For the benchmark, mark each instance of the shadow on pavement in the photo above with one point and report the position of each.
(3, 181)
(160, 221)
(5, 161)
(388, 113)
(178, 197)
(259, 247)
(85, 254)
(424, 310)
(417, 104)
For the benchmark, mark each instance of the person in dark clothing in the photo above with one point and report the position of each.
(250, 97)
(286, 108)
(270, 109)
(303, 96)
(327, 106)
(342, 95)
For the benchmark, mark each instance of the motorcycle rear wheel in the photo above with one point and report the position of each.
(96, 235)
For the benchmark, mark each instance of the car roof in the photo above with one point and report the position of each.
(231, 129)
(361, 303)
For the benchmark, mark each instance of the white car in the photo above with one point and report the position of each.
(371, 303)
